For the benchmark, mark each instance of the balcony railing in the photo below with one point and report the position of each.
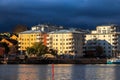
(115, 43)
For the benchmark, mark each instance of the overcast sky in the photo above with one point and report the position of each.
(85, 14)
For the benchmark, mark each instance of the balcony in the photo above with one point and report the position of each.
(38, 40)
(113, 27)
(113, 30)
(39, 37)
(19, 49)
(115, 38)
(114, 48)
(115, 35)
(115, 43)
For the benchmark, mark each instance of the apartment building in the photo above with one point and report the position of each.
(106, 36)
(27, 38)
(66, 42)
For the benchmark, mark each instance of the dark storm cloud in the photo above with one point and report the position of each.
(61, 12)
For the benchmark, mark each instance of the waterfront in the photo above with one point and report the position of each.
(61, 72)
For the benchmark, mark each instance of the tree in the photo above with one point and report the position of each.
(99, 51)
(30, 51)
(19, 28)
(4, 45)
(37, 49)
(40, 49)
(53, 52)
(13, 49)
(90, 54)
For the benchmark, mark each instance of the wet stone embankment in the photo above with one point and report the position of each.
(67, 61)
(57, 61)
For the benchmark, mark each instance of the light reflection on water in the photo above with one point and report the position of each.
(61, 71)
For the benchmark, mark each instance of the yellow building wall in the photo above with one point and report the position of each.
(27, 40)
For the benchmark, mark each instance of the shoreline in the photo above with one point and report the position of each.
(58, 61)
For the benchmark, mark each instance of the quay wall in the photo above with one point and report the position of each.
(68, 61)
(57, 61)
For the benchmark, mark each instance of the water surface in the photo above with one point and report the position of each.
(61, 72)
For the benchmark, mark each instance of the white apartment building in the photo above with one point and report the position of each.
(66, 42)
(108, 37)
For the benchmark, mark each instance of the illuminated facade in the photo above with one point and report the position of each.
(66, 42)
(27, 38)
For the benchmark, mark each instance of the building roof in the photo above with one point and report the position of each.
(108, 25)
(64, 31)
(31, 31)
(14, 42)
(4, 36)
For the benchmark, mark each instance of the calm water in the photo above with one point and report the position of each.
(61, 72)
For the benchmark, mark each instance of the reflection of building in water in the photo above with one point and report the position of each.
(26, 72)
(106, 36)
(100, 72)
(63, 72)
(32, 72)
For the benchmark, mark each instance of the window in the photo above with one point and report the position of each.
(99, 31)
(70, 39)
(104, 31)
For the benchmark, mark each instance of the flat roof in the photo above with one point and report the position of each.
(64, 31)
(31, 31)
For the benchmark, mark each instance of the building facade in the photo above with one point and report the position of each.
(28, 38)
(66, 42)
(108, 37)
